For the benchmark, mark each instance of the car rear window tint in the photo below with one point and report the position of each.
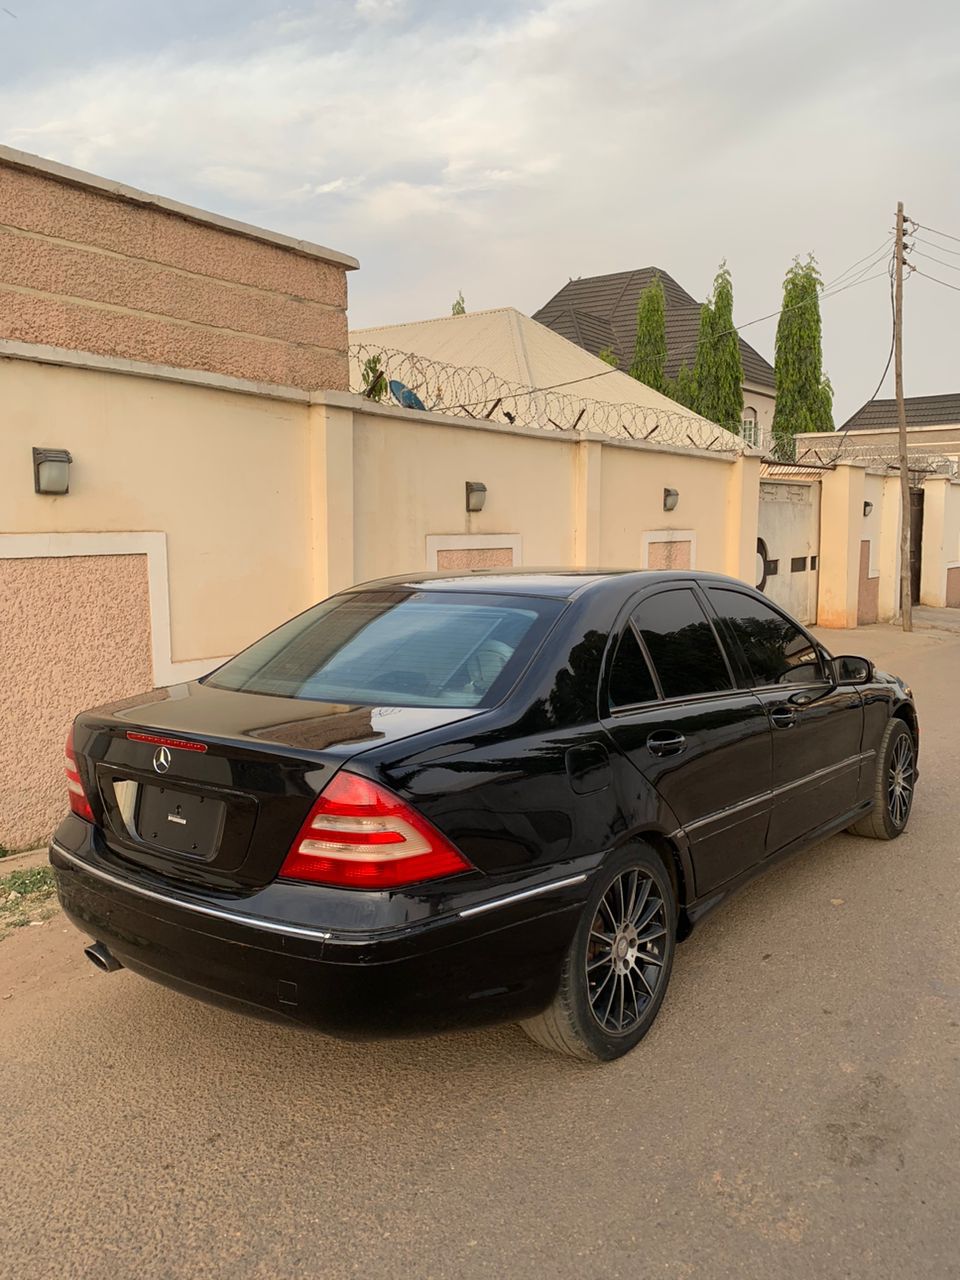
(630, 678)
(396, 648)
(776, 650)
(682, 645)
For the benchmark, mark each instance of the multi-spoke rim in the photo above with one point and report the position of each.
(900, 780)
(626, 951)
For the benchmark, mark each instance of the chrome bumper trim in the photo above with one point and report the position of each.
(217, 913)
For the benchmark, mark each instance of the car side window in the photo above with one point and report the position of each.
(776, 650)
(682, 644)
(630, 678)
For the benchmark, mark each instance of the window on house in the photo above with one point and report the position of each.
(749, 427)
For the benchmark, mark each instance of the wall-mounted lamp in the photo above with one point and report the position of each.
(476, 495)
(51, 470)
(867, 508)
(670, 499)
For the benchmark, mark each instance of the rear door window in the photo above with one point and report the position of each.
(776, 650)
(630, 678)
(682, 644)
(396, 648)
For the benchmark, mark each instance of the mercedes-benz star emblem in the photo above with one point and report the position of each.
(161, 759)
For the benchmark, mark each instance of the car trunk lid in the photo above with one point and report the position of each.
(222, 808)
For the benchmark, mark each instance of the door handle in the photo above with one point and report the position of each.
(664, 742)
(783, 716)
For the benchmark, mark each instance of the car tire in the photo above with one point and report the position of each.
(616, 971)
(894, 786)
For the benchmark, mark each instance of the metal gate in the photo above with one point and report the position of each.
(788, 547)
(916, 542)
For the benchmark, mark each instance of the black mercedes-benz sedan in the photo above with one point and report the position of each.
(436, 801)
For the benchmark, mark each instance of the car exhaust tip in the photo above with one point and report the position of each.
(99, 955)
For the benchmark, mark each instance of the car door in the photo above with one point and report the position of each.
(672, 707)
(817, 725)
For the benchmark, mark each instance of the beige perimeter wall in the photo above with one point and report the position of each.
(203, 511)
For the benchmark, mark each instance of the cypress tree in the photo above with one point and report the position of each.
(683, 388)
(650, 349)
(704, 378)
(804, 394)
(718, 370)
(727, 366)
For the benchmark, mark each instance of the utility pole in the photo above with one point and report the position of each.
(906, 598)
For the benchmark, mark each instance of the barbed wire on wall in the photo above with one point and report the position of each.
(478, 393)
(846, 448)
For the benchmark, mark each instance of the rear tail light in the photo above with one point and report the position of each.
(359, 835)
(78, 797)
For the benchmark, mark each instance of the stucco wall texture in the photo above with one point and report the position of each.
(85, 270)
(868, 594)
(476, 558)
(76, 632)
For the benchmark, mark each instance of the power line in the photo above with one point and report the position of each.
(936, 280)
(832, 293)
(892, 343)
(881, 249)
(952, 266)
(941, 248)
(933, 231)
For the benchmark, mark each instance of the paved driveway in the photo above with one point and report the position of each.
(795, 1111)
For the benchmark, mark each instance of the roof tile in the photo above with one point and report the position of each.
(587, 310)
(922, 411)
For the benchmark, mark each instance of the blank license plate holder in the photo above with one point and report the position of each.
(180, 821)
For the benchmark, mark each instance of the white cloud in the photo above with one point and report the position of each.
(380, 10)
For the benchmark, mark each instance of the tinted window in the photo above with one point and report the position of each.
(776, 650)
(681, 644)
(630, 678)
(396, 648)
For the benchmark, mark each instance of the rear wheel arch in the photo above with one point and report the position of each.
(681, 877)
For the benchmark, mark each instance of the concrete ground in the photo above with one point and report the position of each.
(925, 617)
(795, 1112)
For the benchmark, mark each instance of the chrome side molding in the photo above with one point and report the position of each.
(521, 896)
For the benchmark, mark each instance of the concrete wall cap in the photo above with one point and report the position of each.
(14, 159)
(67, 358)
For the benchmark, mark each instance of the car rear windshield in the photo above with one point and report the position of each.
(396, 648)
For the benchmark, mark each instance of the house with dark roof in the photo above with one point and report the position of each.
(933, 424)
(600, 313)
(932, 429)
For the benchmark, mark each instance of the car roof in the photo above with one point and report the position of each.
(563, 584)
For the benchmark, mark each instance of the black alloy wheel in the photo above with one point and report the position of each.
(626, 952)
(894, 786)
(616, 971)
(900, 780)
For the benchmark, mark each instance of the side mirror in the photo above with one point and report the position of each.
(851, 670)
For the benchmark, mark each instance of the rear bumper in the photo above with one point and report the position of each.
(499, 965)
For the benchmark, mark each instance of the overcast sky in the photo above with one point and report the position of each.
(501, 148)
